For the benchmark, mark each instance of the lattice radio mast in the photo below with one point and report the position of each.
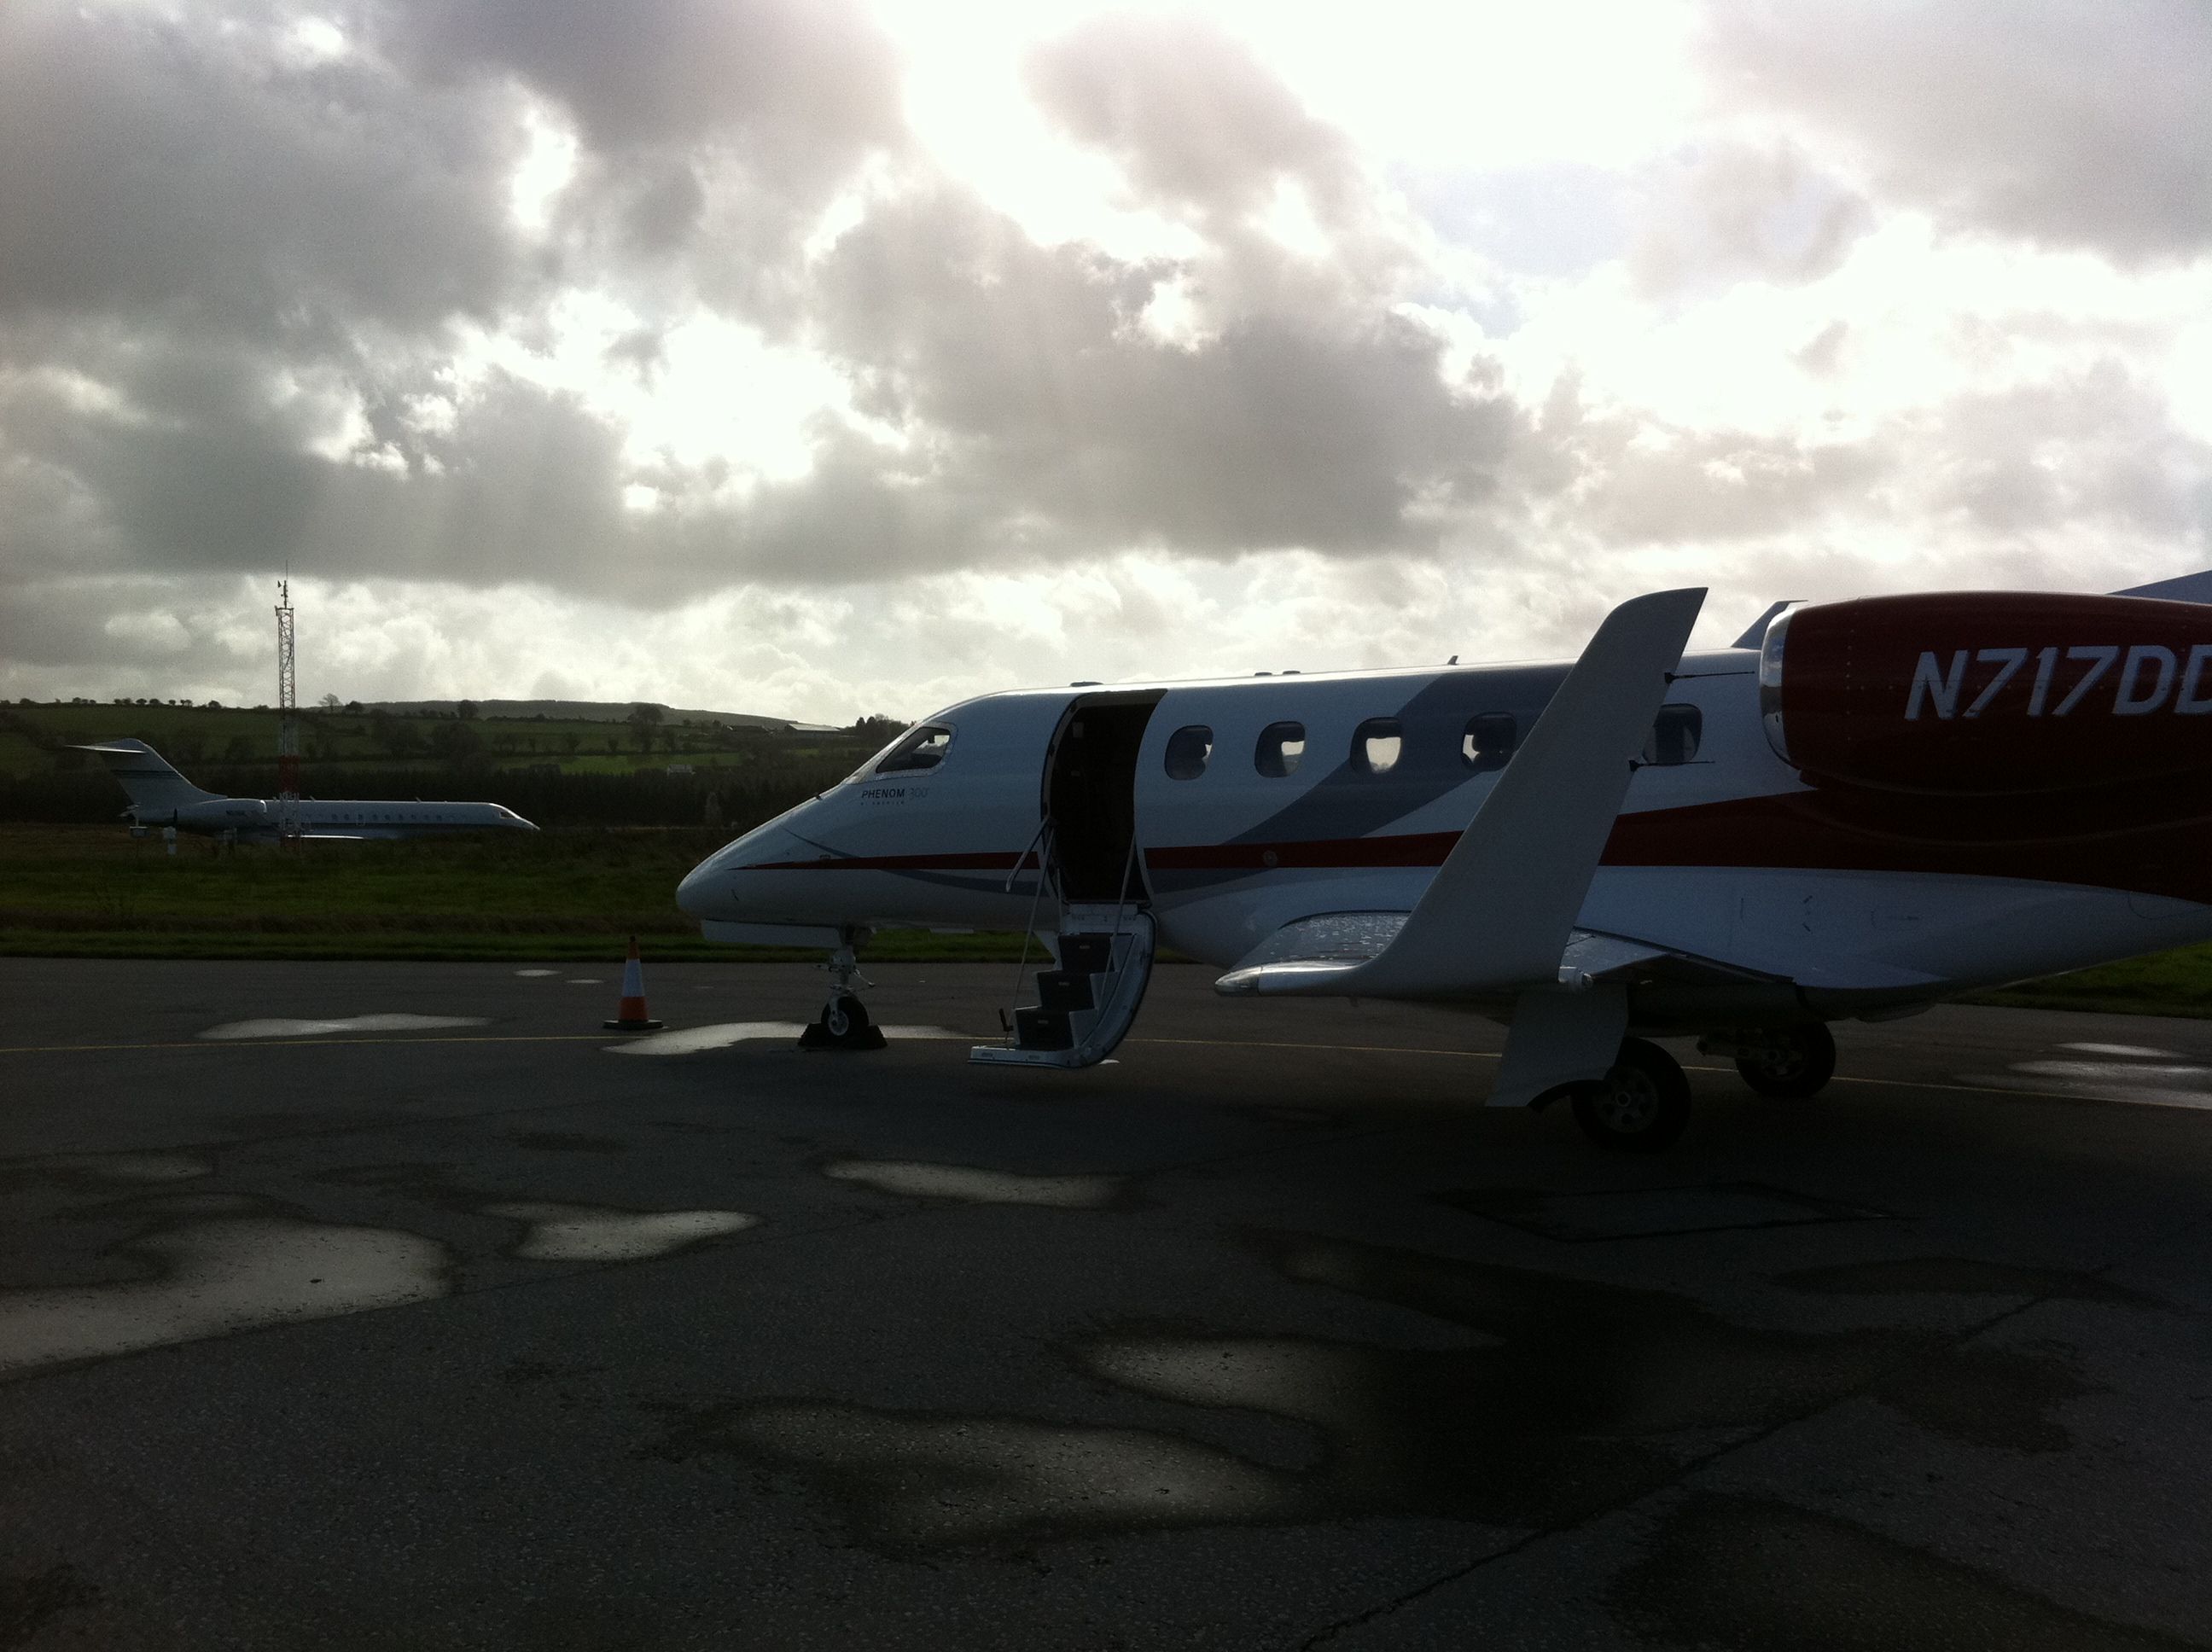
(288, 725)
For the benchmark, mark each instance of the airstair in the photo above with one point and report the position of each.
(1102, 960)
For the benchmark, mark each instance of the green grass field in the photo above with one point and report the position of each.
(86, 891)
(95, 891)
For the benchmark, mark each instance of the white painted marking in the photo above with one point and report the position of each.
(2130, 1083)
(689, 1041)
(980, 1186)
(587, 980)
(533, 974)
(2140, 1050)
(591, 1233)
(283, 1027)
(228, 1275)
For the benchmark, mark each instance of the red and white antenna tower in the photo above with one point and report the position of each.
(288, 725)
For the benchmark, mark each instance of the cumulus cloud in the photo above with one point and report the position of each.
(2070, 123)
(553, 344)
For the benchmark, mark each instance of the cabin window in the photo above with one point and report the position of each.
(1189, 751)
(922, 747)
(1282, 747)
(1376, 745)
(1486, 744)
(1674, 736)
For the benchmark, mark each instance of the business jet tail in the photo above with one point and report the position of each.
(1497, 917)
(150, 783)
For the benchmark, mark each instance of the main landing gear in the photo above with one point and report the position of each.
(844, 1023)
(1641, 1106)
(1789, 1063)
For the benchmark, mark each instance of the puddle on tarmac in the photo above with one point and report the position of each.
(535, 975)
(1554, 1398)
(922, 1482)
(278, 1027)
(221, 1276)
(689, 1041)
(979, 1187)
(592, 1233)
(138, 1167)
(1724, 1571)
(2141, 1076)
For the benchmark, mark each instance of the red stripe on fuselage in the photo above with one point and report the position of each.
(1799, 830)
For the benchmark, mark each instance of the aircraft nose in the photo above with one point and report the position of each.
(715, 888)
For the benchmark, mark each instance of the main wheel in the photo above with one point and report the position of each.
(1790, 1062)
(1641, 1106)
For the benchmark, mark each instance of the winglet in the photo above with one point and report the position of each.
(1499, 912)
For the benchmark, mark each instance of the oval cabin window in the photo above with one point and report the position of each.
(1189, 750)
(1674, 736)
(1376, 745)
(1282, 747)
(1488, 743)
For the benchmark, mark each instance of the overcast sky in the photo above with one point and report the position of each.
(813, 358)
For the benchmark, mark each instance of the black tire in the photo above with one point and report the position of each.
(843, 1024)
(1642, 1106)
(1798, 1062)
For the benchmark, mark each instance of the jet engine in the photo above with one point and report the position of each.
(1990, 693)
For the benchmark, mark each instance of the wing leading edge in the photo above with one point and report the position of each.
(1500, 912)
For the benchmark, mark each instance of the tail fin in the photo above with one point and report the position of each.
(2189, 587)
(151, 784)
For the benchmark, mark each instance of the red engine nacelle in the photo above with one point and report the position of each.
(1989, 692)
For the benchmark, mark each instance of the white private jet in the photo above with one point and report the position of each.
(1858, 809)
(159, 796)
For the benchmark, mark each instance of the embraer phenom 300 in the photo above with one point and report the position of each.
(1860, 808)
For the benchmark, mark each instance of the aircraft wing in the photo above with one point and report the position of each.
(1304, 955)
(1500, 911)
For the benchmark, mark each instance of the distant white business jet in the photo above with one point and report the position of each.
(159, 796)
(1857, 809)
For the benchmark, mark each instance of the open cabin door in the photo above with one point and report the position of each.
(1103, 956)
(1091, 796)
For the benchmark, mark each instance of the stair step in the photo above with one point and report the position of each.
(1063, 989)
(1039, 1029)
(1086, 954)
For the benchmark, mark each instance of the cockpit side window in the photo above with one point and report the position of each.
(918, 748)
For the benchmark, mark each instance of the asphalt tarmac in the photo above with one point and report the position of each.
(398, 1306)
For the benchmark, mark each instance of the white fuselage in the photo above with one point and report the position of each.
(1720, 853)
(334, 817)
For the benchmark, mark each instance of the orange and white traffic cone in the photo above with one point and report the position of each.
(632, 1016)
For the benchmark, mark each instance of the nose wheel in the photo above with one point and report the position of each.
(844, 1023)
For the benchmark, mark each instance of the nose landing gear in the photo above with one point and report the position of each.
(844, 1023)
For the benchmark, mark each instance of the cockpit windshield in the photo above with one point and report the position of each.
(918, 748)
